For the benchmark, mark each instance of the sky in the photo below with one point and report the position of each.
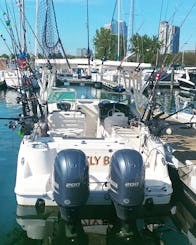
(72, 20)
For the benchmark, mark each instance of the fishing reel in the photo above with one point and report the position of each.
(12, 124)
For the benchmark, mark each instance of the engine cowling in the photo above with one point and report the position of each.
(126, 177)
(71, 178)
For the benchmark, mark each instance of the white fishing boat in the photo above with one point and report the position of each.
(91, 158)
(85, 155)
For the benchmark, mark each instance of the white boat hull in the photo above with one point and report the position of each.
(34, 179)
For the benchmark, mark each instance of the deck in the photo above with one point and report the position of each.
(183, 140)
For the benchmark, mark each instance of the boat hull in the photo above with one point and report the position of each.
(35, 178)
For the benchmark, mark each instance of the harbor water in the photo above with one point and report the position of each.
(12, 228)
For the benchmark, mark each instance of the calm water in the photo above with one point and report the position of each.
(11, 231)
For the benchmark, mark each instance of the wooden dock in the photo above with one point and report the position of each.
(183, 140)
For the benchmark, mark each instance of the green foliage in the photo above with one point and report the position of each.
(106, 45)
(145, 48)
(40, 56)
(4, 56)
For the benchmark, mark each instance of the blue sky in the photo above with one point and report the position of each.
(71, 18)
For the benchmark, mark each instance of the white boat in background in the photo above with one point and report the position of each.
(85, 155)
(12, 79)
(16, 79)
(2, 78)
(167, 77)
(188, 118)
(185, 108)
(188, 81)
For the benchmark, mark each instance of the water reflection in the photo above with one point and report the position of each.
(46, 227)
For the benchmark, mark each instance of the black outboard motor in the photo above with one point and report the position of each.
(126, 190)
(126, 181)
(71, 188)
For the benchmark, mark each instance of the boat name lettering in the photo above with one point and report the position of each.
(131, 184)
(94, 160)
(72, 185)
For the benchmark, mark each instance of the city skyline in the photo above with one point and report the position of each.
(169, 38)
(147, 16)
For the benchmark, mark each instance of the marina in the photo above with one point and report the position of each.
(100, 144)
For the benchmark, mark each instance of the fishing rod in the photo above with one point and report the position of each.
(10, 29)
(16, 118)
(170, 115)
(28, 97)
(14, 18)
(10, 118)
(151, 99)
(35, 36)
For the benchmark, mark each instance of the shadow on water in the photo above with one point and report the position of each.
(45, 226)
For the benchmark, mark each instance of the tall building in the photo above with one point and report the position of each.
(114, 28)
(83, 52)
(169, 36)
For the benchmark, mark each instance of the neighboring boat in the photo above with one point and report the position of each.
(12, 79)
(185, 108)
(187, 174)
(16, 79)
(2, 79)
(166, 78)
(188, 81)
(92, 158)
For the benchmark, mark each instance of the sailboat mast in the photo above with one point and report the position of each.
(88, 49)
(118, 56)
(132, 18)
(130, 27)
(23, 29)
(36, 27)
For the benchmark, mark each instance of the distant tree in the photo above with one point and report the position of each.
(145, 48)
(5, 56)
(103, 41)
(190, 58)
(176, 59)
(40, 56)
(106, 45)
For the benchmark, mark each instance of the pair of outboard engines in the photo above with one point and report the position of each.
(71, 183)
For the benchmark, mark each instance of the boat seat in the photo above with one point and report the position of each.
(117, 119)
(70, 132)
(68, 123)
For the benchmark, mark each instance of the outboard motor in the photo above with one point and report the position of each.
(126, 190)
(71, 188)
(126, 181)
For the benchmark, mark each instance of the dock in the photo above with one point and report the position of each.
(182, 140)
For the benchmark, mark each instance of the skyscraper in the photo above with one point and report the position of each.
(114, 28)
(169, 36)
